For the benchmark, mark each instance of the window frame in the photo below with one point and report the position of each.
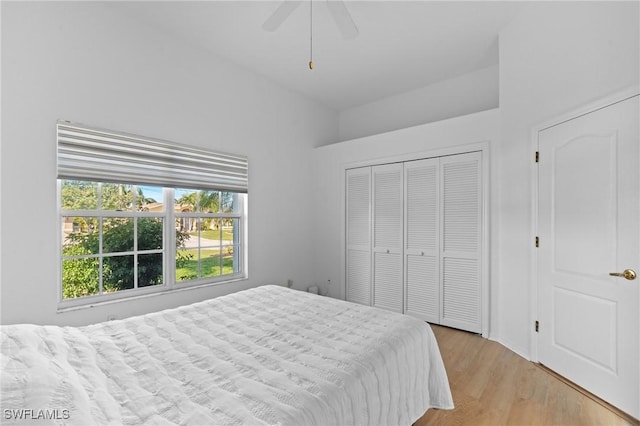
(170, 284)
(238, 254)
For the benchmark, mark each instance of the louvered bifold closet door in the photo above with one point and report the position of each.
(461, 197)
(387, 236)
(358, 259)
(422, 242)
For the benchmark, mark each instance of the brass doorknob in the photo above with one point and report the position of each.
(629, 274)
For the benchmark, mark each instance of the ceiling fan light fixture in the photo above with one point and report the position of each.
(337, 9)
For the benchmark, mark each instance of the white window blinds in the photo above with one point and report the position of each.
(100, 155)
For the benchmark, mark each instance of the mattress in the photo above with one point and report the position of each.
(268, 355)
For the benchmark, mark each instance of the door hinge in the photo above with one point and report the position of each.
(537, 326)
(537, 156)
(537, 242)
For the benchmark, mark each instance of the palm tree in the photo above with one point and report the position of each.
(190, 200)
(209, 201)
(187, 203)
(116, 196)
(141, 200)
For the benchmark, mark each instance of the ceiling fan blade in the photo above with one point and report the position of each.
(281, 13)
(343, 19)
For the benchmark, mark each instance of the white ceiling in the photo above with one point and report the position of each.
(402, 45)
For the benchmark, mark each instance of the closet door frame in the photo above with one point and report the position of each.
(484, 147)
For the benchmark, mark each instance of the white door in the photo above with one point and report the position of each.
(422, 239)
(588, 224)
(461, 241)
(358, 259)
(387, 236)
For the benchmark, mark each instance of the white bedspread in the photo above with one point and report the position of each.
(268, 355)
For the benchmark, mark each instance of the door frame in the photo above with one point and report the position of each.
(561, 118)
(484, 146)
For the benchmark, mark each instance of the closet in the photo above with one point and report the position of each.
(414, 238)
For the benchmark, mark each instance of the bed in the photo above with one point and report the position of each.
(268, 355)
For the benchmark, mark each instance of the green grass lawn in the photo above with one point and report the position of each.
(210, 262)
(227, 234)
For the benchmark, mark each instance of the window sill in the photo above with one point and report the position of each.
(144, 293)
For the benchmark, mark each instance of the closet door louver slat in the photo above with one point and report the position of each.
(460, 248)
(387, 236)
(423, 288)
(358, 209)
(358, 258)
(387, 217)
(359, 276)
(461, 292)
(422, 284)
(387, 286)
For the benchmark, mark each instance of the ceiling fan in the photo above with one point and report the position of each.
(337, 9)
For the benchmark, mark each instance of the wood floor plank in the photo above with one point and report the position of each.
(492, 385)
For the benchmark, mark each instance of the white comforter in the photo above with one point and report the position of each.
(268, 355)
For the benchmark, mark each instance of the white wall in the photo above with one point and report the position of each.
(81, 61)
(554, 57)
(78, 61)
(416, 142)
(466, 94)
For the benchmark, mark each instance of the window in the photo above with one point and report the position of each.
(120, 239)
(111, 239)
(211, 222)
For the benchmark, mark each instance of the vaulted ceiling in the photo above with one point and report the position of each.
(401, 45)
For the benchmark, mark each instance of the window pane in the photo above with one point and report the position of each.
(150, 233)
(210, 233)
(79, 276)
(185, 200)
(210, 259)
(117, 234)
(117, 196)
(81, 234)
(117, 273)
(149, 198)
(186, 225)
(182, 236)
(229, 231)
(208, 201)
(228, 202)
(79, 195)
(211, 249)
(186, 264)
(230, 243)
(150, 269)
(230, 261)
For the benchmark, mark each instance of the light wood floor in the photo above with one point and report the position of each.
(492, 385)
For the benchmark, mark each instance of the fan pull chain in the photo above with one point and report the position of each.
(310, 34)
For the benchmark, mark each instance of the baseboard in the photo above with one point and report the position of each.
(513, 348)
